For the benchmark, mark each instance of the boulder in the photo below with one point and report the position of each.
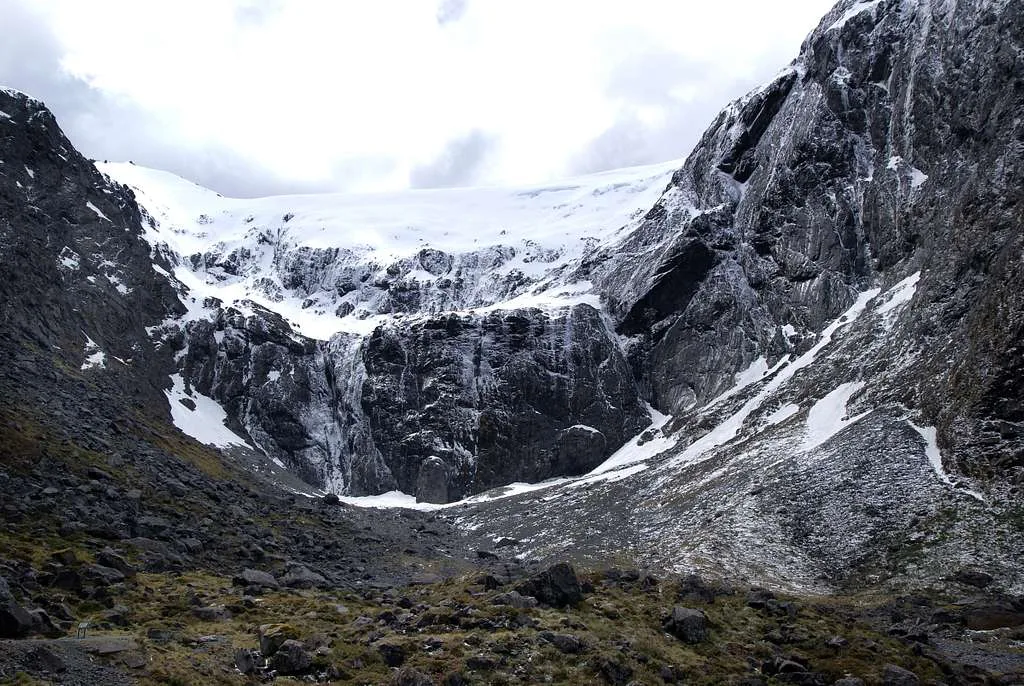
(300, 576)
(994, 616)
(273, 636)
(245, 661)
(687, 624)
(291, 657)
(432, 481)
(407, 676)
(974, 578)
(614, 671)
(101, 576)
(566, 643)
(256, 577)
(108, 558)
(893, 675)
(557, 586)
(394, 654)
(212, 613)
(515, 599)
(42, 624)
(15, 621)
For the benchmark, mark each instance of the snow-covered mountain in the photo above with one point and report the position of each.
(342, 277)
(343, 263)
(795, 357)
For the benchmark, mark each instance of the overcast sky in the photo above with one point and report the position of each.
(253, 97)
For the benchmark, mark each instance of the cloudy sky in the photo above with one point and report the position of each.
(253, 97)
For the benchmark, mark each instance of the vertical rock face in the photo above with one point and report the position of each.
(500, 398)
(893, 143)
(79, 282)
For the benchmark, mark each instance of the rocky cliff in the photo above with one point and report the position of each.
(435, 342)
(443, 343)
(825, 301)
(892, 145)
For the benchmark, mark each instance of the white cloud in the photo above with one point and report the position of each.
(367, 95)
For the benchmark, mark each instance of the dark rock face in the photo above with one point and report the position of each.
(441, 408)
(892, 145)
(687, 624)
(15, 621)
(509, 396)
(79, 278)
(556, 586)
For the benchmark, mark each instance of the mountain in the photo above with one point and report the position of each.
(824, 301)
(792, 360)
(433, 342)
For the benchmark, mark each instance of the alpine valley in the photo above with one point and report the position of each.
(754, 417)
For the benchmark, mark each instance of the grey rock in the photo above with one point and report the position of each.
(15, 621)
(212, 613)
(432, 481)
(301, 576)
(975, 578)
(273, 636)
(256, 577)
(42, 624)
(515, 599)
(687, 624)
(393, 654)
(893, 675)
(557, 586)
(291, 658)
(566, 643)
(245, 661)
(109, 558)
(407, 676)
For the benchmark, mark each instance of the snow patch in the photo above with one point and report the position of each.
(757, 370)
(31, 174)
(94, 357)
(897, 297)
(69, 259)
(118, 284)
(651, 442)
(205, 423)
(782, 414)
(934, 455)
(917, 177)
(388, 500)
(98, 212)
(828, 416)
(273, 376)
(857, 8)
(728, 429)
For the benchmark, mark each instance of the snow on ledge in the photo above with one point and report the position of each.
(934, 455)
(858, 8)
(205, 423)
(827, 417)
(94, 357)
(98, 212)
